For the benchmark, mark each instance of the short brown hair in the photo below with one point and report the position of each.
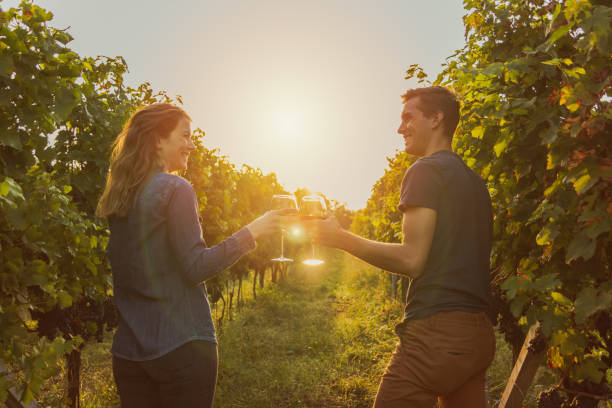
(435, 99)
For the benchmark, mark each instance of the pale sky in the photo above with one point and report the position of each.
(309, 90)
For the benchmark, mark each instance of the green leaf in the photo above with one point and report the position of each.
(591, 369)
(560, 298)
(65, 300)
(93, 242)
(555, 15)
(65, 101)
(67, 189)
(5, 187)
(16, 218)
(517, 304)
(549, 135)
(559, 32)
(478, 132)
(584, 183)
(511, 286)
(573, 107)
(547, 282)
(572, 343)
(63, 37)
(27, 396)
(586, 304)
(6, 65)
(580, 247)
(500, 147)
(547, 234)
(598, 228)
(550, 321)
(493, 69)
(11, 139)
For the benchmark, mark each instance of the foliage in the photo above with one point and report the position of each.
(381, 220)
(535, 81)
(39, 275)
(59, 114)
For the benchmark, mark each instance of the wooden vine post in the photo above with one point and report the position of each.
(523, 371)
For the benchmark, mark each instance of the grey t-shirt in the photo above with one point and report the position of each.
(159, 262)
(456, 274)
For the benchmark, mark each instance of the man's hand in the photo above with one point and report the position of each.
(408, 258)
(327, 232)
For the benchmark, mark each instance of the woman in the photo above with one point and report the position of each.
(164, 350)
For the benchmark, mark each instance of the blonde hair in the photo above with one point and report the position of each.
(135, 154)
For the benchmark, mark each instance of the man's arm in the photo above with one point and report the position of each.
(407, 258)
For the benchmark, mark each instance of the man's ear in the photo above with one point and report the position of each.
(437, 119)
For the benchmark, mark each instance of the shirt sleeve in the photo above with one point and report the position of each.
(198, 262)
(421, 186)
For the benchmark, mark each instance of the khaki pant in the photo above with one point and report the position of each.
(444, 356)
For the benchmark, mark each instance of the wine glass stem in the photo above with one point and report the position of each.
(282, 243)
(312, 244)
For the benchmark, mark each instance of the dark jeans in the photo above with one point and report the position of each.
(184, 377)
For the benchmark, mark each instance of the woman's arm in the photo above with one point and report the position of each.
(197, 261)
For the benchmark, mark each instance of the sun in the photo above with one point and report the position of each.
(288, 122)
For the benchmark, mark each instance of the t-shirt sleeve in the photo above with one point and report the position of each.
(421, 186)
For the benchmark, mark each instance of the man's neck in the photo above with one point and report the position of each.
(438, 147)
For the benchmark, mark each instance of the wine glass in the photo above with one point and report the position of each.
(313, 207)
(283, 202)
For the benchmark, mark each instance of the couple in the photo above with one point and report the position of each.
(164, 350)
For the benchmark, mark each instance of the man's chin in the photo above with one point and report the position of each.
(412, 151)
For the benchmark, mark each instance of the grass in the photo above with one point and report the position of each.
(298, 346)
(321, 338)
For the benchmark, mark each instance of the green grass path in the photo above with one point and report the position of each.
(307, 342)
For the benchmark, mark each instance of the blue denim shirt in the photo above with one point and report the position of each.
(159, 262)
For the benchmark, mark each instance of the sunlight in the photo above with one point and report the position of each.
(296, 231)
(288, 122)
(313, 262)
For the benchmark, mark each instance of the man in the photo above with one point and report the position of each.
(446, 341)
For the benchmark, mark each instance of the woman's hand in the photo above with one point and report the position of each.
(269, 223)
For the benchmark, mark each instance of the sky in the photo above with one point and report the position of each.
(310, 90)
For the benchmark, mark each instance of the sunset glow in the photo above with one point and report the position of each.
(307, 90)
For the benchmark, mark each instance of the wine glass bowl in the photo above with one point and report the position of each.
(284, 202)
(313, 207)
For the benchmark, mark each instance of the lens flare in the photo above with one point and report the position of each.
(313, 262)
(296, 231)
